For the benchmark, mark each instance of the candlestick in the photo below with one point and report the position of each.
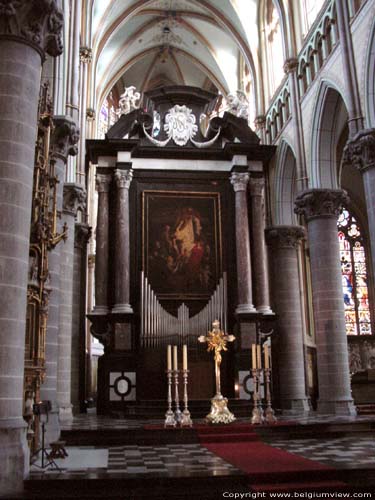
(169, 415)
(257, 414)
(266, 357)
(186, 419)
(169, 357)
(253, 356)
(259, 358)
(177, 411)
(175, 364)
(270, 414)
(184, 357)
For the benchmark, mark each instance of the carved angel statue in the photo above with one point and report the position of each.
(129, 101)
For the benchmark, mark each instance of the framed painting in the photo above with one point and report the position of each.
(182, 251)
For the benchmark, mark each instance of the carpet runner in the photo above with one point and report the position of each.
(269, 469)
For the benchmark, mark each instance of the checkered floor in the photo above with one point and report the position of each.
(345, 452)
(168, 460)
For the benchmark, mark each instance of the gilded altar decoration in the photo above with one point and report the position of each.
(44, 236)
(217, 341)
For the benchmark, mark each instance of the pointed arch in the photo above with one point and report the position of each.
(330, 117)
(285, 185)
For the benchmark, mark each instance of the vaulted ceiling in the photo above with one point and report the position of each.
(148, 43)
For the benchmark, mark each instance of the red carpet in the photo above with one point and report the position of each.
(269, 468)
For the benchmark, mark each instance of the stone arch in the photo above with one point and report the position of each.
(370, 81)
(330, 117)
(285, 185)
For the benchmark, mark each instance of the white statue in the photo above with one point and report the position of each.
(238, 104)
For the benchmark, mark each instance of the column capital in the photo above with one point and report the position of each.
(285, 236)
(103, 182)
(85, 54)
(260, 121)
(90, 114)
(239, 180)
(74, 198)
(360, 151)
(38, 23)
(123, 178)
(256, 186)
(65, 137)
(290, 65)
(320, 203)
(82, 234)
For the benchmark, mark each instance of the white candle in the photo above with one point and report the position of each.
(266, 357)
(175, 365)
(184, 357)
(169, 357)
(259, 358)
(253, 356)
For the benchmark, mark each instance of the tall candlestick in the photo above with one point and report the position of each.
(253, 356)
(259, 358)
(175, 365)
(266, 357)
(184, 357)
(169, 357)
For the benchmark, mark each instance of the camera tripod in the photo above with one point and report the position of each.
(46, 459)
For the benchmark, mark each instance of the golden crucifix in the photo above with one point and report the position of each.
(217, 341)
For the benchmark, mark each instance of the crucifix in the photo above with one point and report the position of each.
(217, 341)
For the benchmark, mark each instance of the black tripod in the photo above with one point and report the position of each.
(46, 458)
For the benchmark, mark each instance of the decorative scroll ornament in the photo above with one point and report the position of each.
(129, 101)
(180, 125)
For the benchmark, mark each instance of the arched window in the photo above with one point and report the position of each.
(309, 10)
(274, 42)
(107, 116)
(354, 275)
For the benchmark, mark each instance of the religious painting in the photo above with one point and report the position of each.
(182, 243)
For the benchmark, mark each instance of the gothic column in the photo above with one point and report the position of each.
(22, 51)
(290, 68)
(102, 234)
(123, 179)
(239, 180)
(64, 139)
(360, 152)
(283, 242)
(78, 364)
(353, 102)
(85, 55)
(260, 271)
(74, 199)
(321, 207)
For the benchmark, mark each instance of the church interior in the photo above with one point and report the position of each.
(187, 249)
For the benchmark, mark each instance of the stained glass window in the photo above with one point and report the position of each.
(354, 275)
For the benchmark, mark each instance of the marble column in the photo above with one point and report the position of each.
(74, 200)
(103, 182)
(360, 152)
(320, 208)
(123, 179)
(22, 52)
(64, 140)
(260, 261)
(78, 373)
(283, 242)
(245, 305)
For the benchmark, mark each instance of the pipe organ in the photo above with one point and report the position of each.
(159, 327)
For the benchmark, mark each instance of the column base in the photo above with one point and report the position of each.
(122, 309)
(14, 457)
(295, 407)
(265, 310)
(245, 309)
(339, 407)
(66, 413)
(102, 310)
